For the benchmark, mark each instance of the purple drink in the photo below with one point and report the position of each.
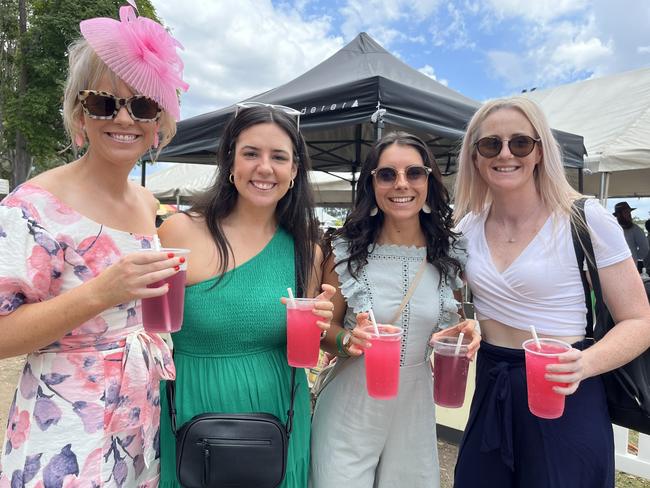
(450, 372)
(165, 313)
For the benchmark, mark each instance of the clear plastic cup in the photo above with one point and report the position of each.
(450, 372)
(303, 334)
(165, 313)
(382, 361)
(542, 400)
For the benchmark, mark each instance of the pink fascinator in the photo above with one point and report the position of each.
(142, 53)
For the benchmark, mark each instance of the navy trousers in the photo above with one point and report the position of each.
(506, 446)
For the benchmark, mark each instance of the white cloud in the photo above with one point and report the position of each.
(375, 16)
(232, 53)
(430, 72)
(536, 10)
(643, 49)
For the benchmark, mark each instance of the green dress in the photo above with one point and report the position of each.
(231, 355)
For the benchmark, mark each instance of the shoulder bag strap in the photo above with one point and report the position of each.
(411, 290)
(584, 250)
(171, 402)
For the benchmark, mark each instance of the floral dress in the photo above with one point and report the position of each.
(86, 410)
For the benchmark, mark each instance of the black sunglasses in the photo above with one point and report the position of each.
(105, 106)
(519, 146)
(387, 176)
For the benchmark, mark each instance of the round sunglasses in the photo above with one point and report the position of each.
(519, 146)
(105, 106)
(387, 176)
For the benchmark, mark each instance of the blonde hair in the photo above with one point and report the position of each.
(85, 70)
(471, 192)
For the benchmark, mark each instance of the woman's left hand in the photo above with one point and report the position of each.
(570, 371)
(323, 308)
(468, 328)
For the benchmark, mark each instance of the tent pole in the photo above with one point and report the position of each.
(143, 174)
(581, 180)
(604, 188)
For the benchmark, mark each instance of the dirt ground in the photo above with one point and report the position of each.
(10, 370)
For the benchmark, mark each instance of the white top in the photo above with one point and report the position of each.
(542, 287)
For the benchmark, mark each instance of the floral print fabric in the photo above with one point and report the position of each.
(86, 410)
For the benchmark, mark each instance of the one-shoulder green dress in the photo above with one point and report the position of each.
(231, 355)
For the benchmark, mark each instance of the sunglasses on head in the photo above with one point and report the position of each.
(387, 176)
(519, 146)
(105, 106)
(292, 112)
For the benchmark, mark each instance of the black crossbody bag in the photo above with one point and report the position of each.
(627, 387)
(234, 450)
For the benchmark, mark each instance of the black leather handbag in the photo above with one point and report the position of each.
(627, 387)
(246, 450)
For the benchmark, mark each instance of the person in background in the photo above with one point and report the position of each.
(251, 235)
(401, 221)
(513, 204)
(634, 236)
(72, 273)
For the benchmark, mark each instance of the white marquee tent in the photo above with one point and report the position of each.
(612, 113)
(181, 181)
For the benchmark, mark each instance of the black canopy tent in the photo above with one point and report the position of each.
(346, 102)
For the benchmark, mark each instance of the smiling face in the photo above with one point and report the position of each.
(402, 200)
(506, 172)
(120, 140)
(263, 167)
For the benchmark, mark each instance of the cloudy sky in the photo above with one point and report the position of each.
(238, 48)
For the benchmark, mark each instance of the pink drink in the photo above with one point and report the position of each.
(382, 362)
(450, 372)
(303, 334)
(165, 313)
(542, 400)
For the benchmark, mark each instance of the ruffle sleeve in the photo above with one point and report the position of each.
(31, 260)
(354, 291)
(448, 304)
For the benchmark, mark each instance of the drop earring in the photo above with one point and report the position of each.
(426, 209)
(79, 140)
(156, 140)
(374, 211)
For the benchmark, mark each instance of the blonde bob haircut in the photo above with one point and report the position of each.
(471, 192)
(85, 70)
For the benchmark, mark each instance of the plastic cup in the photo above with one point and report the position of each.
(450, 372)
(382, 361)
(303, 334)
(542, 400)
(165, 313)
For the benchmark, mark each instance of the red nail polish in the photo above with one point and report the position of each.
(182, 259)
(170, 255)
(177, 268)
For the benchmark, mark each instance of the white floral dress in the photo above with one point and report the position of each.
(86, 410)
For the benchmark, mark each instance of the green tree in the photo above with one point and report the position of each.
(33, 62)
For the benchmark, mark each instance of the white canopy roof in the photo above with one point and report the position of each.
(611, 113)
(186, 180)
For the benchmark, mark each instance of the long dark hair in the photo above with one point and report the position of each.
(294, 211)
(361, 230)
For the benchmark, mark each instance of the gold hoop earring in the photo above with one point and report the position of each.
(231, 178)
(291, 183)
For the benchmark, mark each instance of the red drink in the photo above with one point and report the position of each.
(165, 313)
(382, 362)
(303, 334)
(450, 372)
(542, 400)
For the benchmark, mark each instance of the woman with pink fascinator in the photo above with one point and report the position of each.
(72, 272)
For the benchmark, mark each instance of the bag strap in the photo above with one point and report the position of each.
(584, 250)
(411, 290)
(171, 401)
